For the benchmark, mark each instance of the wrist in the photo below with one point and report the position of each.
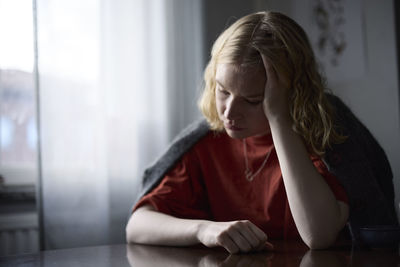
(280, 120)
(199, 229)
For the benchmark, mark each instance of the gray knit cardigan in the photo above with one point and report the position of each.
(360, 165)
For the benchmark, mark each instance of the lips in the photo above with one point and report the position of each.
(232, 127)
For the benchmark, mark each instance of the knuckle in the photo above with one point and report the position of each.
(256, 243)
(222, 237)
(241, 223)
(244, 246)
(230, 228)
(245, 223)
(219, 240)
(238, 224)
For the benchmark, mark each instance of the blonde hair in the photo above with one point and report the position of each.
(286, 46)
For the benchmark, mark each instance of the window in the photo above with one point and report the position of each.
(18, 152)
(18, 130)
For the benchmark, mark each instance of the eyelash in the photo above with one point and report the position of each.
(248, 101)
(253, 102)
(224, 92)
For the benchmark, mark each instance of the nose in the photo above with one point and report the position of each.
(232, 110)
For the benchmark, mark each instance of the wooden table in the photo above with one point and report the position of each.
(285, 254)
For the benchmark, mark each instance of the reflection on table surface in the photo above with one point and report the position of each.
(285, 254)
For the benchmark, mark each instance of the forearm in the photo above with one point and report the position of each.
(147, 226)
(317, 214)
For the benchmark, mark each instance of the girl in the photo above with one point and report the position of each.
(254, 172)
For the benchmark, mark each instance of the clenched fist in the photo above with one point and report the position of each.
(234, 236)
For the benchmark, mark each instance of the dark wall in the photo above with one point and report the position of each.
(218, 15)
(397, 28)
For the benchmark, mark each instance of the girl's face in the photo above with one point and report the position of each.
(239, 98)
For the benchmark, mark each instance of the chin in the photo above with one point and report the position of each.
(244, 134)
(237, 134)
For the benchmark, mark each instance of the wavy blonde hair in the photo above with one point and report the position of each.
(286, 46)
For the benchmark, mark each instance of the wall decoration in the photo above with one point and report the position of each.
(336, 32)
(330, 21)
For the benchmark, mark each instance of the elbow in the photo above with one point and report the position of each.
(137, 229)
(325, 236)
(320, 241)
(132, 235)
(128, 234)
(131, 232)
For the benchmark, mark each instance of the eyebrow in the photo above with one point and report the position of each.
(254, 96)
(220, 84)
(246, 96)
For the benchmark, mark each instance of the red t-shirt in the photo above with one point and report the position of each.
(209, 183)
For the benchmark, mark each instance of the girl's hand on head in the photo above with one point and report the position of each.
(234, 236)
(275, 104)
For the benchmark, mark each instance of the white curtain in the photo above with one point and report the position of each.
(117, 80)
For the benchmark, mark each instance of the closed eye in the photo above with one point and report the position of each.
(223, 91)
(253, 102)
